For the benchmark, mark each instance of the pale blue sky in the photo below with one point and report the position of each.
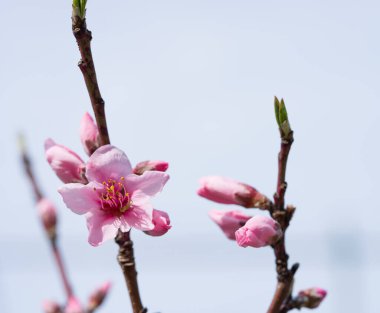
(192, 82)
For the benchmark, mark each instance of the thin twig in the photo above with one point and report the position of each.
(51, 237)
(282, 216)
(86, 64)
(127, 263)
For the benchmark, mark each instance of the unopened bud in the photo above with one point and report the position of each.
(228, 191)
(51, 307)
(161, 223)
(68, 166)
(73, 306)
(144, 166)
(229, 222)
(259, 231)
(98, 296)
(89, 134)
(311, 298)
(48, 215)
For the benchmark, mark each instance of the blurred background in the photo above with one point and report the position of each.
(192, 83)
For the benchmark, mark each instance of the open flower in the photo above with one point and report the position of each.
(114, 197)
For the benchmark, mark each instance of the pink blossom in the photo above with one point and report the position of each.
(98, 296)
(161, 223)
(311, 298)
(259, 231)
(68, 166)
(229, 222)
(51, 307)
(48, 215)
(144, 166)
(228, 191)
(114, 198)
(73, 306)
(89, 134)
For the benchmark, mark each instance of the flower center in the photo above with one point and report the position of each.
(115, 197)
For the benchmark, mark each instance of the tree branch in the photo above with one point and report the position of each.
(127, 263)
(52, 237)
(86, 64)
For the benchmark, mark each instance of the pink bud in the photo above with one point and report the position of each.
(89, 134)
(68, 166)
(228, 191)
(161, 223)
(144, 166)
(48, 215)
(229, 221)
(73, 306)
(311, 298)
(259, 231)
(51, 307)
(98, 296)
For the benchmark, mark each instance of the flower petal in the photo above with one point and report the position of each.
(149, 183)
(101, 227)
(107, 162)
(81, 198)
(140, 215)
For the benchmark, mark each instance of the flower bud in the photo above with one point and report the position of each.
(228, 191)
(161, 223)
(48, 215)
(98, 296)
(89, 134)
(51, 307)
(68, 166)
(229, 222)
(259, 231)
(73, 306)
(311, 298)
(144, 166)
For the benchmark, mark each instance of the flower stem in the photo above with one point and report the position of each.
(282, 216)
(52, 237)
(86, 64)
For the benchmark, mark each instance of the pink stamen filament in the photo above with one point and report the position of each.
(115, 198)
